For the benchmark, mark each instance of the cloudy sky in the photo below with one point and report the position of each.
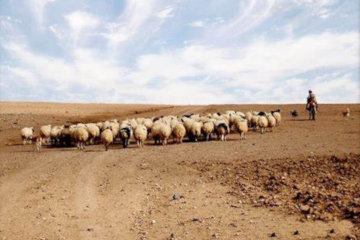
(179, 52)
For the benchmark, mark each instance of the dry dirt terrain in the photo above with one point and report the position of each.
(300, 181)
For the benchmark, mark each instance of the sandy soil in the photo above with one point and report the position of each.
(299, 182)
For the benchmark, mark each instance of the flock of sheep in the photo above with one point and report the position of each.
(193, 126)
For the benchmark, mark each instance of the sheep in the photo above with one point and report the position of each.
(115, 129)
(165, 133)
(248, 116)
(254, 122)
(80, 135)
(140, 135)
(65, 136)
(242, 127)
(222, 129)
(263, 124)
(195, 131)
(45, 133)
(346, 113)
(148, 124)
(161, 132)
(125, 134)
(105, 125)
(179, 132)
(133, 123)
(207, 129)
(55, 134)
(187, 124)
(99, 125)
(107, 137)
(27, 134)
(271, 122)
(277, 116)
(94, 132)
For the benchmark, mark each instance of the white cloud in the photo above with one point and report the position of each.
(167, 12)
(80, 21)
(56, 31)
(37, 8)
(135, 15)
(197, 24)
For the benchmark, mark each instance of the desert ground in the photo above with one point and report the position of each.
(301, 181)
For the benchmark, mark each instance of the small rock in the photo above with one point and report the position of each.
(176, 196)
(171, 237)
(332, 230)
(233, 224)
(153, 221)
(90, 229)
(350, 237)
(305, 208)
(273, 234)
(296, 232)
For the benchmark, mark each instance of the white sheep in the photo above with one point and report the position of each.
(55, 134)
(241, 126)
(262, 123)
(94, 132)
(161, 132)
(271, 122)
(107, 137)
(140, 135)
(27, 134)
(45, 133)
(195, 131)
(254, 121)
(100, 125)
(80, 135)
(208, 128)
(277, 116)
(148, 124)
(179, 132)
(248, 116)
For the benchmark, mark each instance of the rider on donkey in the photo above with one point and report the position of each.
(311, 99)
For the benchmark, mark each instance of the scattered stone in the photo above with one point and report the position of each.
(332, 230)
(233, 224)
(90, 229)
(273, 234)
(350, 237)
(177, 196)
(296, 232)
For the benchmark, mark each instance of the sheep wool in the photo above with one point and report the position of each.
(81, 135)
(27, 134)
(208, 128)
(277, 116)
(179, 132)
(271, 122)
(242, 127)
(107, 138)
(195, 131)
(263, 124)
(45, 132)
(140, 135)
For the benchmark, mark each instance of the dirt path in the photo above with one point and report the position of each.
(62, 193)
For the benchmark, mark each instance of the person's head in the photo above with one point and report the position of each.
(310, 91)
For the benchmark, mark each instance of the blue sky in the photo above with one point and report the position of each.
(179, 52)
